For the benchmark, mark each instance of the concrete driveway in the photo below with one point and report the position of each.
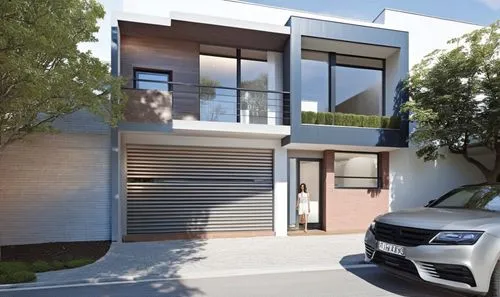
(216, 257)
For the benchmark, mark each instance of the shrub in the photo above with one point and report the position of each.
(395, 122)
(11, 267)
(360, 120)
(15, 272)
(320, 118)
(385, 122)
(78, 262)
(57, 265)
(329, 118)
(372, 121)
(353, 120)
(308, 117)
(21, 277)
(41, 266)
(348, 119)
(339, 119)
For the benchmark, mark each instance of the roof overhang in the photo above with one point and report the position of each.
(348, 48)
(205, 29)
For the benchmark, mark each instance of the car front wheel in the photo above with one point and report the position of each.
(495, 282)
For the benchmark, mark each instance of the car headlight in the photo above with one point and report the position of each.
(372, 227)
(456, 237)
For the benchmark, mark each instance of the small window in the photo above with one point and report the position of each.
(153, 80)
(356, 170)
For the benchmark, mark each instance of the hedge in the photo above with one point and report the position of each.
(21, 272)
(347, 119)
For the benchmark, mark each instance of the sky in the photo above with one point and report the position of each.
(480, 12)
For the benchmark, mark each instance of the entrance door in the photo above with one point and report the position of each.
(309, 173)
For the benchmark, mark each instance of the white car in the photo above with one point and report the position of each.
(453, 242)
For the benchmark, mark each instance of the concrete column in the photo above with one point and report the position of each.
(274, 83)
(280, 192)
(292, 189)
(384, 170)
(328, 182)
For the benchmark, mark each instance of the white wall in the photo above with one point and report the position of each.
(274, 83)
(413, 182)
(425, 33)
(226, 9)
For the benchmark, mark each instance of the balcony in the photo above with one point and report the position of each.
(350, 120)
(170, 101)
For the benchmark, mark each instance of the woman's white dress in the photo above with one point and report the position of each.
(303, 203)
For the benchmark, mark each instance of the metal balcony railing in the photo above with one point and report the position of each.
(177, 100)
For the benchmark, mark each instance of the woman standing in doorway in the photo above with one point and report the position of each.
(303, 204)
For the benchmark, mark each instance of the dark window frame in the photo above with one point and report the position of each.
(378, 178)
(238, 57)
(332, 63)
(138, 70)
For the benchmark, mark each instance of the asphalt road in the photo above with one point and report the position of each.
(370, 282)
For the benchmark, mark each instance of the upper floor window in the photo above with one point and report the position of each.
(356, 170)
(359, 85)
(315, 81)
(234, 84)
(218, 92)
(153, 79)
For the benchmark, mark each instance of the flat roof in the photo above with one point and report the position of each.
(201, 19)
(424, 15)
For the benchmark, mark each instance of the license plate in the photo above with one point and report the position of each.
(391, 248)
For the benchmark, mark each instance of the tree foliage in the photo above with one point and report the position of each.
(256, 102)
(43, 74)
(455, 99)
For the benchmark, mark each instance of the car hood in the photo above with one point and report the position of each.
(443, 219)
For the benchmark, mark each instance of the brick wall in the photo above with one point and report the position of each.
(352, 210)
(56, 187)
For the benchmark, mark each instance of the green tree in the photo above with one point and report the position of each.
(256, 102)
(43, 74)
(208, 92)
(455, 99)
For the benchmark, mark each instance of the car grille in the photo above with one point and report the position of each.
(405, 236)
(456, 273)
(395, 262)
(369, 251)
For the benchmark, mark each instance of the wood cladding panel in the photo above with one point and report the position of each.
(180, 57)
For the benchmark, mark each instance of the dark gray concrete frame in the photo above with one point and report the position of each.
(334, 135)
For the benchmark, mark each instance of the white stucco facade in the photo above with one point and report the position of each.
(414, 182)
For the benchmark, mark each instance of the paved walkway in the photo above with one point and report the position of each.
(216, 257)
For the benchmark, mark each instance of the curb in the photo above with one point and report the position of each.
(117, 280)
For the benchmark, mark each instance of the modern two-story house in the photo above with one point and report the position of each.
(230, 108)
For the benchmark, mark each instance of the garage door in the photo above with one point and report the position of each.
(173, 189)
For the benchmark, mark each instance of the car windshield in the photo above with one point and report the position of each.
(475, 197)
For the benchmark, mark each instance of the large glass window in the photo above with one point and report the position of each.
(253, 105)
(218, 104)
(358, 85)
(356, 170)
(153, 80)
(315, 81)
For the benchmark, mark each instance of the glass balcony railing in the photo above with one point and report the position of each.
(185, 101)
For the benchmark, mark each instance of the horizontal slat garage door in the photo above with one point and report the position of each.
(173, 189)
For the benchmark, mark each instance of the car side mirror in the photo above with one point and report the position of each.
(429, 203)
